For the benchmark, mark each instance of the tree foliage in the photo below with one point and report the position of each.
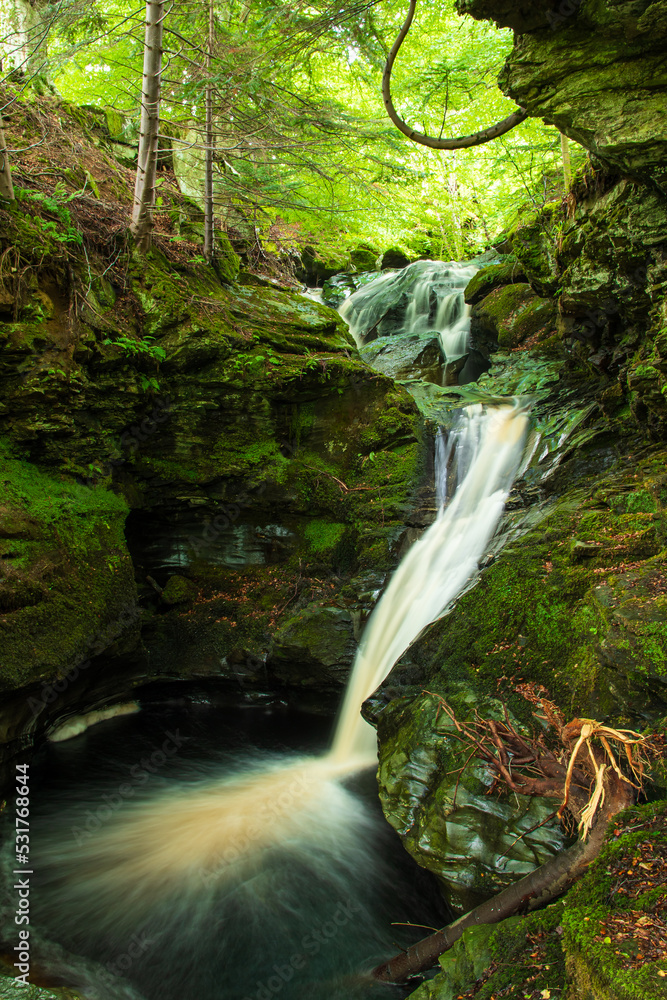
(302, 144)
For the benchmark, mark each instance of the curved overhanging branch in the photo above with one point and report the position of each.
(464, 141)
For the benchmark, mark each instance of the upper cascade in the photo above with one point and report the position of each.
(425, 297)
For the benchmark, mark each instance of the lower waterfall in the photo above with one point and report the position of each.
(258, 854)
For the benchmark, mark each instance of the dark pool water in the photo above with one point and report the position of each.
(309, 919)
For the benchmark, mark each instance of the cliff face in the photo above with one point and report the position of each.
(576, 602)
(596, 70)
(188, 462)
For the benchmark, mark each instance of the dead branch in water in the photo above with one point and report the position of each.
(593, 770)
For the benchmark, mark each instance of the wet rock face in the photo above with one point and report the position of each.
(592, 943)
(596, 70)
(509, 316)
(315, 648)
(475, 843)
(495, 276)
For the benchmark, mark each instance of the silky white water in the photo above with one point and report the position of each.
(424, 297)
(267, 850)
(438, 565)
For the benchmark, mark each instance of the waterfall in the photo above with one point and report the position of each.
(267, 848)
(218, 827)
(438, 565)
(424, 297)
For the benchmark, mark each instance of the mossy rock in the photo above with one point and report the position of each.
(365, 257)
(519, 957)
(580, 75)
(316, 647)
(533, 241)
(395, 257)
(12, 989)
(178, 590)
(67, 576)
(318, 265)
(489, 278)
(612, 913)
(510, 315)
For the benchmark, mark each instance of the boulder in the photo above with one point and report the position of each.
(509, 316)
(394, 257)
(407, 355)
(315, 648)
(317, 265)
(495, 276)
(365, 257)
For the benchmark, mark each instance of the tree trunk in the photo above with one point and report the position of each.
(565, 152)
(141, 226)
(530, 893)
(209, 232)
(6, 185)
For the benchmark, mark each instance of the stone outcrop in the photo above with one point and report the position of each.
(228, 431)
(596, 70)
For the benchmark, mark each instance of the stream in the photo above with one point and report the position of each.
(184, 851)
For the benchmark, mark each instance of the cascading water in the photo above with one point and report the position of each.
(263, 851)
(425, 297)
(277, 842)
(437, 566)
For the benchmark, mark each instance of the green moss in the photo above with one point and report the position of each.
(323, 536)
(597, 963)
(533, 242)
(513, 313)
(489, 278)
(517, 958)
(66, 573)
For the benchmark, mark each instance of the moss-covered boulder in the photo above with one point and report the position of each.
(394, 257)
(315, 647)
(319, 263)
(475, 843)
(510, 315)
(365, 257)
(490, 278)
